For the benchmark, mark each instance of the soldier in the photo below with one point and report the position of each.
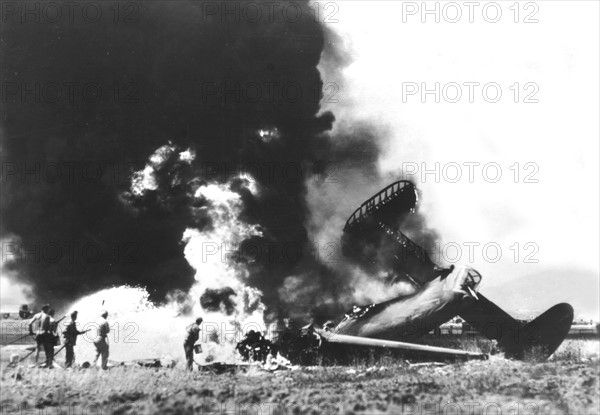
(191, 337)
(70, 335)
(47, 324)
(35, 329)
(50, 338)
(101, 342)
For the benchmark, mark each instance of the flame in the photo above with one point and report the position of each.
(210, 254)
(141, 330)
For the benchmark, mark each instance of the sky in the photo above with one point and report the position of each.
(546, 216)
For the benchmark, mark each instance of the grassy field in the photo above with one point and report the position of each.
(568, 384)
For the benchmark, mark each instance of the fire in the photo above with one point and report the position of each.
(210, 254)
(141, 330)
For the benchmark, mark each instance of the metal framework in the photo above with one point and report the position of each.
(392, 192)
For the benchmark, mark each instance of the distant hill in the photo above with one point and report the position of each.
(530, 295)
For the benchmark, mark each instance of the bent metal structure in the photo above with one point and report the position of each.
(373, 238)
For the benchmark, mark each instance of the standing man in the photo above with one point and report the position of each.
(101, 342)
(192, 334)
(48, 340)
(35, 329)
(70, 335)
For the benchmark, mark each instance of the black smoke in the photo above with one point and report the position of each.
(85, 104)
(219, 299)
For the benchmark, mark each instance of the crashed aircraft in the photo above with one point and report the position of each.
(373, 238)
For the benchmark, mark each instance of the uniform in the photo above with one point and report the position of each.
(101, 342)
(191, 337)
(70, 335)
(47, 328)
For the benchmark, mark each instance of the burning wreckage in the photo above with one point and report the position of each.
(373, 235)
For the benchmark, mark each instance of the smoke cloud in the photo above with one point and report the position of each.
(110, 130)
(168, 76)
(218, 300)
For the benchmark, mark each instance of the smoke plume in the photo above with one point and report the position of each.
(104, 185)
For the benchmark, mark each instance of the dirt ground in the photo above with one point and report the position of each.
(495, 386)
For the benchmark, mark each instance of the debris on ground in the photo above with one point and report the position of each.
(293, 347)
(277, 362)
(255, 348)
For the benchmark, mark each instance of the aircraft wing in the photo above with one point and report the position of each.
(333, 337)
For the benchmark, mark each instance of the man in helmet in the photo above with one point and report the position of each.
(101, 342)
(70, 335)
(192, 334)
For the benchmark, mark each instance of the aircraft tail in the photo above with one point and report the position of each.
(541, 336)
